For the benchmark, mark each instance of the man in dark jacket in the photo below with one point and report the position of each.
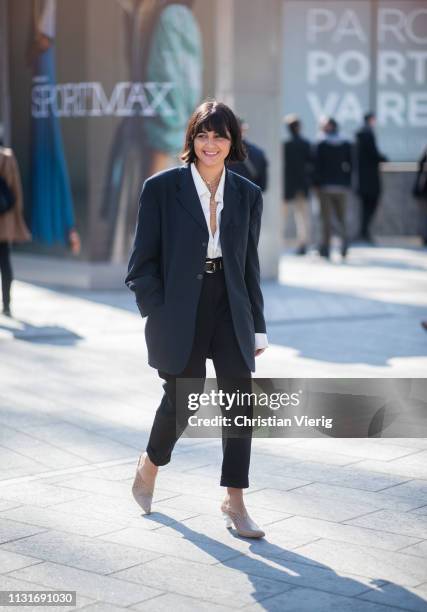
(255, 166)
(369, 182)
(298, 160)
(420, 193)
(332, 177)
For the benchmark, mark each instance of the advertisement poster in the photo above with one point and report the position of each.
(141, 107)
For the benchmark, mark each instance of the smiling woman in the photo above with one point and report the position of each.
(200, 288)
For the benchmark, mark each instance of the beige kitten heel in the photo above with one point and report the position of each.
(243, 523)
(141, 491)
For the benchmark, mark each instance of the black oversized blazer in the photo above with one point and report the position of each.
(166, 264)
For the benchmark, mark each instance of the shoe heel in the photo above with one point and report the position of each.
(228, 521)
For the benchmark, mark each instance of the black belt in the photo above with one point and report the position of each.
(213, 265)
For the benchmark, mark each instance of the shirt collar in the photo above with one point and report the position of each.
(201, 186)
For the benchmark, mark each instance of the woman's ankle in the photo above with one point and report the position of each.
(152, 467)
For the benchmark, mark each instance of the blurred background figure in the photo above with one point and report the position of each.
(12, 224)
(332, 177)
(420, 193)
(163, 46)
(297, 175)
(368, 159)
(52, 209)
(255, 166)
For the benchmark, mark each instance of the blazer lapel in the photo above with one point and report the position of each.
(189, 198)
(231, 201)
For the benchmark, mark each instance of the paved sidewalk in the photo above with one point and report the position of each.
(346, 519)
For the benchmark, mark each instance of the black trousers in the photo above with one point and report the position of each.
(369, 207)
(215, 336)
(6, 273)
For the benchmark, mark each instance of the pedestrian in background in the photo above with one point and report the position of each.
(332, 177)
(368, 175)
(255, 165)
(12, 224)
(297, 176)
(195, 272)
(420, 193)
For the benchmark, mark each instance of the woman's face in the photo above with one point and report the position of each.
(211, 149)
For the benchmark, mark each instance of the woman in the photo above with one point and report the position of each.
(12, 223)
(194, 269)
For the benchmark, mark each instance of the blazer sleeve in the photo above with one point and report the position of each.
(252, 271)
(144, 268)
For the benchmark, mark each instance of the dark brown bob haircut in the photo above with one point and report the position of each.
(214, 116)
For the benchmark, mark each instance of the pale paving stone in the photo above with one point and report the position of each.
(12, 460)
(405, 523)
(202, 526)
(301, 503)
(203, 550)
(47, 452)
(276, 481)
(366, 561)
(90, 554)
(102, 606)
(351, 477)
(188, 482)
(420, 443)
(310, 600)
(108, 488)
(408, 598)
(108, 588)
(10, 561)
(38, 493)
(376, 501)
(218, 584)
(299, 570)
(406, 468)
(127, 512)
(18, 472)
(124, 471)
(23, 418)
(135, 439)
(178, 603)
(8, 504)
(320, 456)
(84, 444)
(411, 489)
(11, 584)
(11, 530)
(206, 506)
(317, 528)
(420, 549)
(61, 521)
(358, 447)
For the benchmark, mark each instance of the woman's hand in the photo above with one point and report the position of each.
(259, 351)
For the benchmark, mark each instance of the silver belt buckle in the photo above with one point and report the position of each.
(212, 263)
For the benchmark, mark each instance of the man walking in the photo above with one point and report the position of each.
(368, 175)
(255, 166)
(333, 165)
(298, 159)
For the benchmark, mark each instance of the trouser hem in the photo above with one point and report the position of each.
(236, 484)
(156, 461)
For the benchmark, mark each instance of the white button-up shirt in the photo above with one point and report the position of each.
(214, 244)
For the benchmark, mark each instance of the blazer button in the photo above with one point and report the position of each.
(204, 244)
(199, 276)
